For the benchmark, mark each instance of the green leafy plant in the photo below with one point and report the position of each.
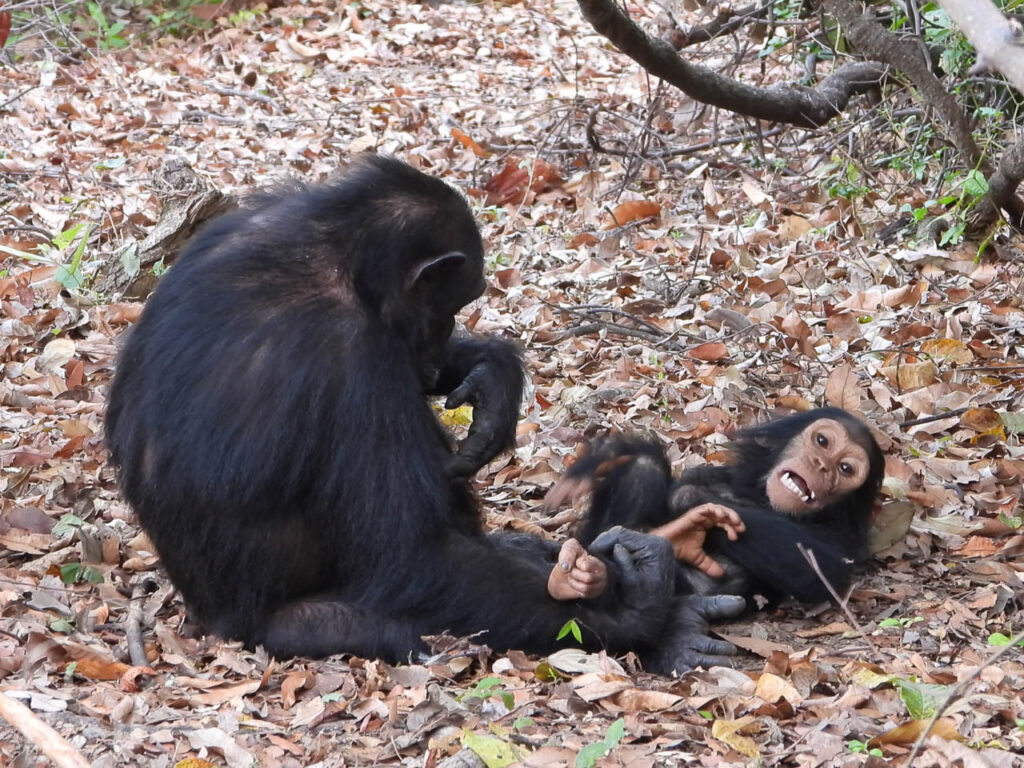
(860, 747)
(902, 623)
(69, 274)
(571, 627)
(1000, 640)
(1011, 521)
(490, 687)
(922, 699)
(590, 754)
(108, 35)
(79, 573)
(843, 180)
(67, 525)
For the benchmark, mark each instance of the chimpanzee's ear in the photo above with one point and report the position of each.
(435, 269)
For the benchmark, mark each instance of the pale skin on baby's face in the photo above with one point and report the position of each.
(819, 466)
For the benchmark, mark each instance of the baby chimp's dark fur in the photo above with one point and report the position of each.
(639, 493)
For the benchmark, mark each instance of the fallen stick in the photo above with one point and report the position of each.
(49, 742)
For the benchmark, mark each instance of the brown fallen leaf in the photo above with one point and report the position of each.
(630, 211)
(226, 693)
(5, 27)
(516, 184)
(772, 688)
(763, 648)
(832, 628)
(294, 682)
(711, 352)
(981, 419)
(468, 143)
(949, 349)
(98, 669)
(911, 375)
(842, 389)
(908, 733)
(639, 700)
(978, 546)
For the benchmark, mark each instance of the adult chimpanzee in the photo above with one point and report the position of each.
(810, 479)
(269, 424)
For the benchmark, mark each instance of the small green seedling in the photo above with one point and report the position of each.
(590, 754)
(571, 627)
(861, 747)
(488, 687)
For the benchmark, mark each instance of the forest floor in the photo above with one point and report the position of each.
(702, 288)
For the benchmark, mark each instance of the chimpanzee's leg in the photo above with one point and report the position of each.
(632, 479)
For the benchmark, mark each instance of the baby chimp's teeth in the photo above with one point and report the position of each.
(813, 497)
(791, 485)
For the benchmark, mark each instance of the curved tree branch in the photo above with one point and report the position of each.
(796, 105)
(726, 22)
(871, 39)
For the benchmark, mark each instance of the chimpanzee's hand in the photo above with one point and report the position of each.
(687, 644)
(645, 565)
(487, 374)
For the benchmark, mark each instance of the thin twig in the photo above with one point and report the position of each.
(936, 417)
(133, 628)
(958, 691)
(251, 95)
(841, 601)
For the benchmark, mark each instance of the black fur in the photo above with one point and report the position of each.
(270, 428)
(765, 559)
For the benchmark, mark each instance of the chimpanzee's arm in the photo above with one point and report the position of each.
(768, 552)
(487, 373)
(702, 485)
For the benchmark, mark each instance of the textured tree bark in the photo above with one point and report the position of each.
(795, 105)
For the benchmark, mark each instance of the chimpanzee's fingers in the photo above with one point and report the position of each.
(568, 555)
(604, 543)
(586, 578)
(716, 607)
(705, 644)
(710, 566)
(459, 396)
(464, 393)
(692, 660)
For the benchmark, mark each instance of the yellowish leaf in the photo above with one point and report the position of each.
(728, 732)
(458, 417)
(495, 752)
